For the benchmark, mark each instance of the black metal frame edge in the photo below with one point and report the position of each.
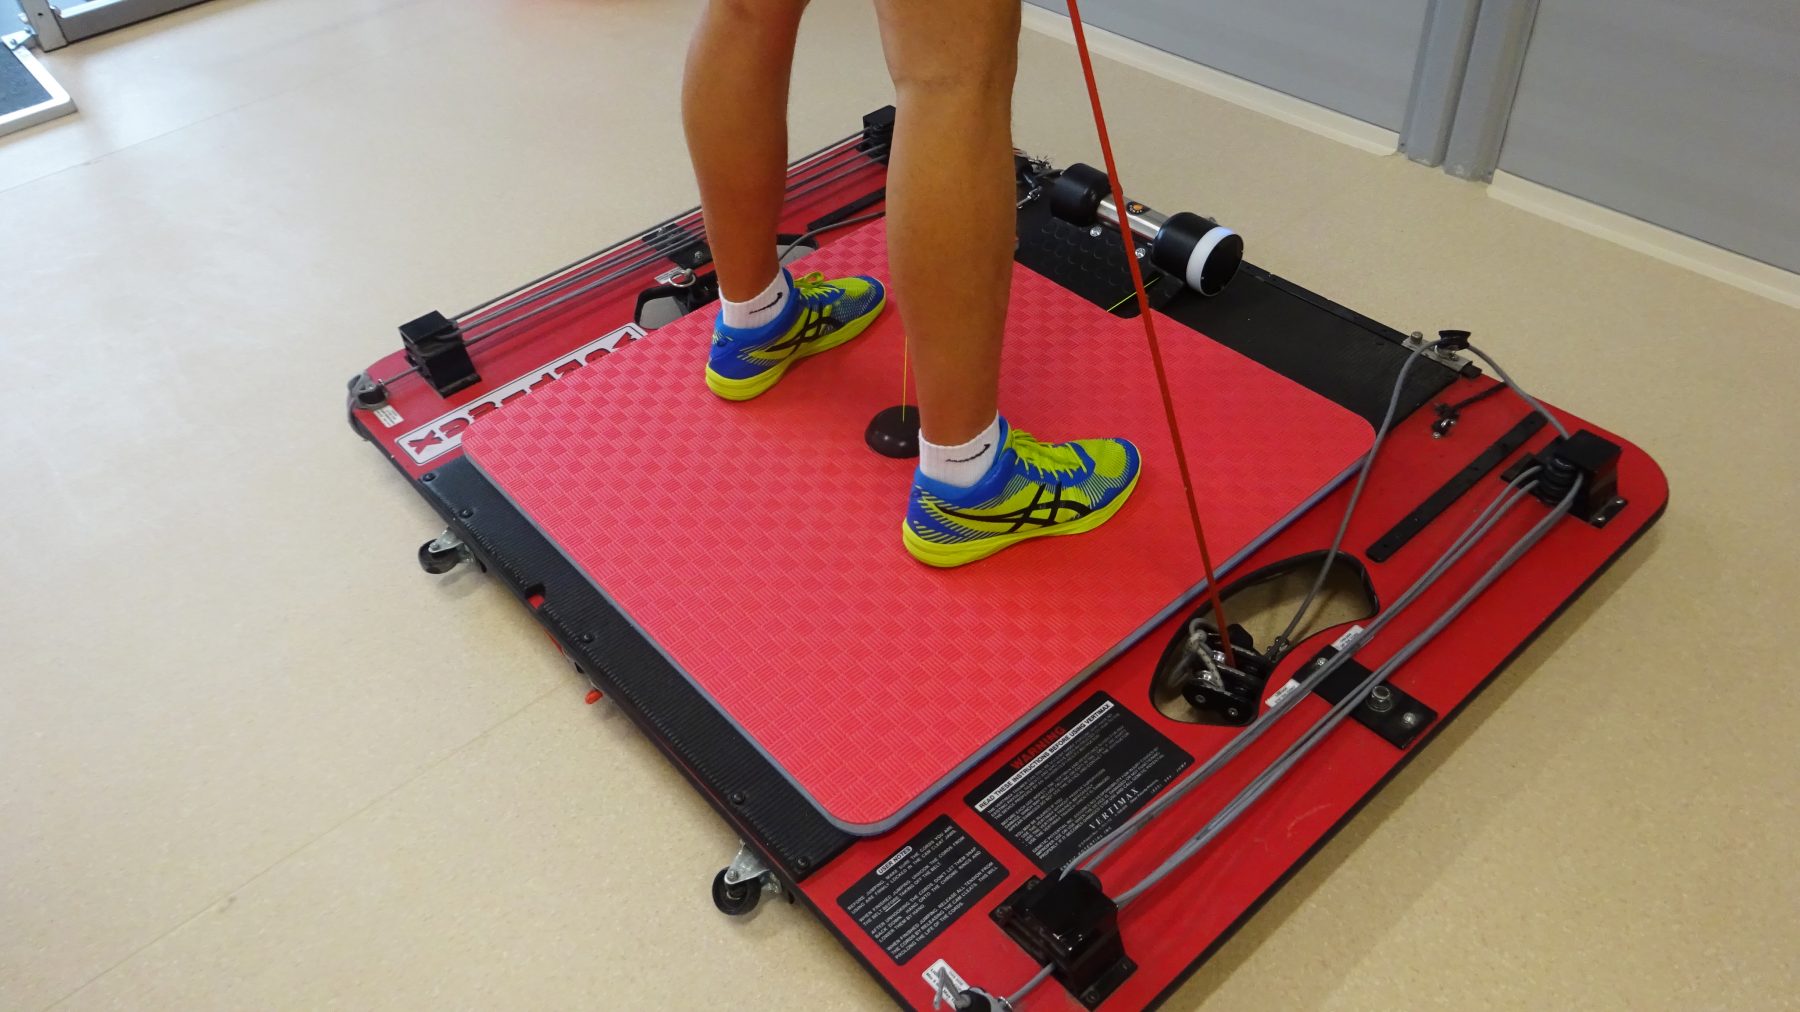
(737, 780)
(1336, 309)
(789, 867)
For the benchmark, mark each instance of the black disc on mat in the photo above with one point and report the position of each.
(894, 432)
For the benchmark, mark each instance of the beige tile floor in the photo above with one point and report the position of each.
(250, 758)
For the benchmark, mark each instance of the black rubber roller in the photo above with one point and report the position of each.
(1075, 195)
(1201, 252)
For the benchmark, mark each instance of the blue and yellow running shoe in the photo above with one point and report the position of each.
(1033, 490)
(820, 315)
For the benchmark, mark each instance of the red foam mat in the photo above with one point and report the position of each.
(758, 544)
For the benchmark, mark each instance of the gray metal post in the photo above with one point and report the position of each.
(46, 23)
(1496, 59)
(1438, 79)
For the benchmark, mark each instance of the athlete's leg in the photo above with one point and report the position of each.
(951, 220)
(734, 108)
(981, 487)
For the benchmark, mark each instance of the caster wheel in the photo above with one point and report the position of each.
(735, 900)
(438, 560)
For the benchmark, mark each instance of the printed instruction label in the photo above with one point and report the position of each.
(1093, 770)
(915, 894)
(1293, 684)
(387, 416)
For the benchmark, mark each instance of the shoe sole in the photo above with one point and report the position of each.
(951, 556)
(761, 383)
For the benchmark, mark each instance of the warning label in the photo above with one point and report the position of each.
(915, 894)
(1084, 776)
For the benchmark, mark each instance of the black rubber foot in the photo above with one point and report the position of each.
(895, 432)
(735, 900)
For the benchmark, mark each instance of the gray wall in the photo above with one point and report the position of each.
(1355, 56)
(1685, 113)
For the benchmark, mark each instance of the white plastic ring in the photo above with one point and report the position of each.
(1196, 264)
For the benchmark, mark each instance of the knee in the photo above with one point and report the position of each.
(992, 78)
(758, 11)
(970, 52)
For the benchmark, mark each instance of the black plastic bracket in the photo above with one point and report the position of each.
(1389, 711)
(1069, 924)
(435, 344)
(878, 134)
(1453, 340)
(1588, 456)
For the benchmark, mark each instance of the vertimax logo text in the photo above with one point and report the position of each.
(444, 433)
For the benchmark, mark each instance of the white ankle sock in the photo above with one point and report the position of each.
(962, 465)
(761, 309)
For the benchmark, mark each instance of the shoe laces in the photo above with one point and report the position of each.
(813, 288)
(1044, 459)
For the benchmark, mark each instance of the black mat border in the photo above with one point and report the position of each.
(736, 778)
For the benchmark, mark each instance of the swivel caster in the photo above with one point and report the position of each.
(443, 553)
(738, 888)
(735, 900)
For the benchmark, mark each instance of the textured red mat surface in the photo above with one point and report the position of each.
(758, 544)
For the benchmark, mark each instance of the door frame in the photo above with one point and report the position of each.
(58, 25)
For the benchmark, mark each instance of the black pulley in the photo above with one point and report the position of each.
(1075, 195)
(1198, 250)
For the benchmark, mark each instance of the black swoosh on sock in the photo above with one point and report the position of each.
(778, 297)
(976, 456)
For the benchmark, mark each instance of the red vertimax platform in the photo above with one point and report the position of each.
(1074, 802)
(759, 545)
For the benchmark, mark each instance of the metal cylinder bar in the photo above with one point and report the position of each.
(1145, 221)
